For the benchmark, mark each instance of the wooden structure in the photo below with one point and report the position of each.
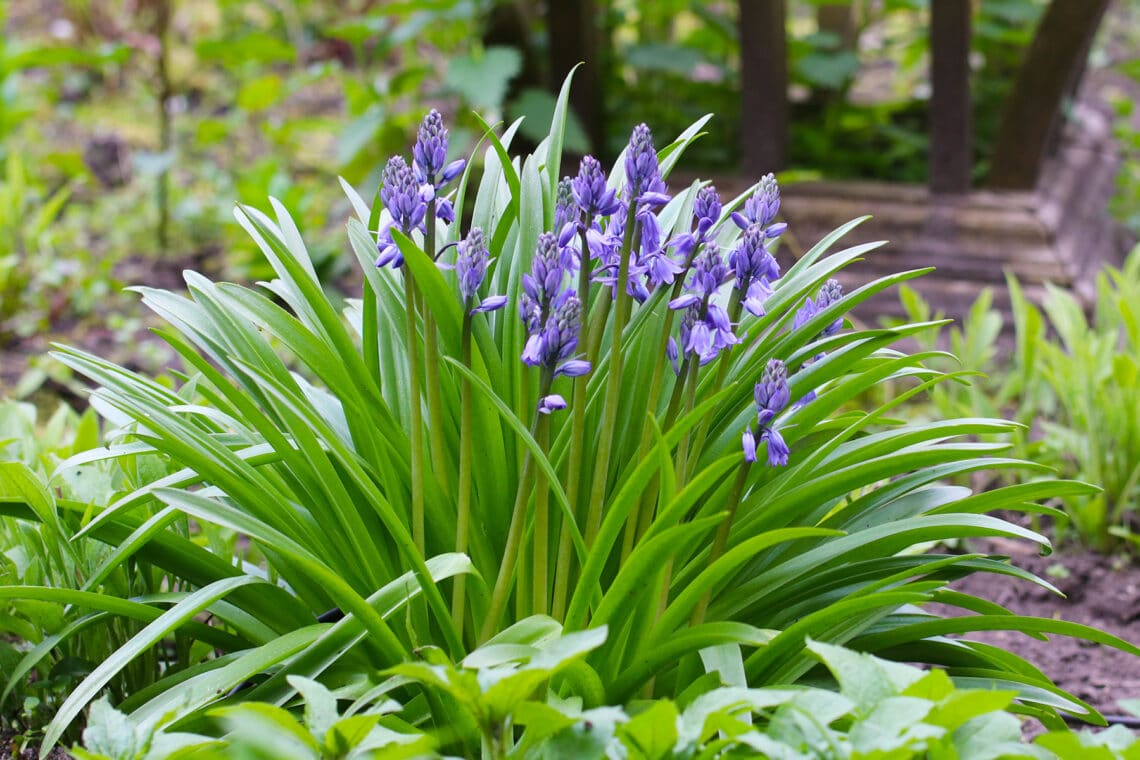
(1045, 219)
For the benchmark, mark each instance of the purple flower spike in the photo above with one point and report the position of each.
(830, 293)
(761, 208)
(471, 263)
(771, 393)
(709, 271)
(551, 403)
(552, 342)
(641, 160)
(751, 260)
(590, 190)
(430, 151)
(400, 194)
(471, 267)
(772, 396)
(706, 209)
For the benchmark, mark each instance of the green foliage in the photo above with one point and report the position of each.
(293, 426)
(43, 271)
(1073, 384)
(509, 691)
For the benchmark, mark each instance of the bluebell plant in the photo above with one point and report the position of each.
(495, 418)
(606, 237)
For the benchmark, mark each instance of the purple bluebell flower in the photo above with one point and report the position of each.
(777, 449)
(430, 154)
(706, 276)
(705, 326)
(590, 190)
(705, 332)
(654, 259)
(706, 213)
(642, 172)
(544, 281)
(761, 207)
(605, 246)
(829, 293)
(566, 212)
(471, 267)
(406, 207)
(805, 313)
(553, 344)
(755, 269)
(551, 403)
(771, 395)
(641, 158)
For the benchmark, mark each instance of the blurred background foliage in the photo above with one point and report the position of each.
(129, 128)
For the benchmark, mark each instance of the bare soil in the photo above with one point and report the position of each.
(1101, 592)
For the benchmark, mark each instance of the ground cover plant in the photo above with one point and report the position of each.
(1071, 381)
(583, 411)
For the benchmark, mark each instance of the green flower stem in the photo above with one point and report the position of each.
(513, 547)
(685, 387)
(438, 447)
(466, 438)
(648, 500)
(540, 580)
(417, 432)
(565, 555)
(690, 382)
(734, 313)
(720, 543)
(613, 388)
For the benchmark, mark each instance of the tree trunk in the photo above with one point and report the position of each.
(951, 128)
(1033, 107)
(763, 85)
(575, 36)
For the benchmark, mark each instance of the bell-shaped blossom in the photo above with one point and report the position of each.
(706, 213)
(707, 274)
(705, 332)
(551, 403)
(406, 208)
(830, 293)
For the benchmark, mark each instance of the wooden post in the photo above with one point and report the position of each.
(578, 39)
(763, 85)
(951, 138)
(1051, 66)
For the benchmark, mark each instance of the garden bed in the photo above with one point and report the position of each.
(1102, 592)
